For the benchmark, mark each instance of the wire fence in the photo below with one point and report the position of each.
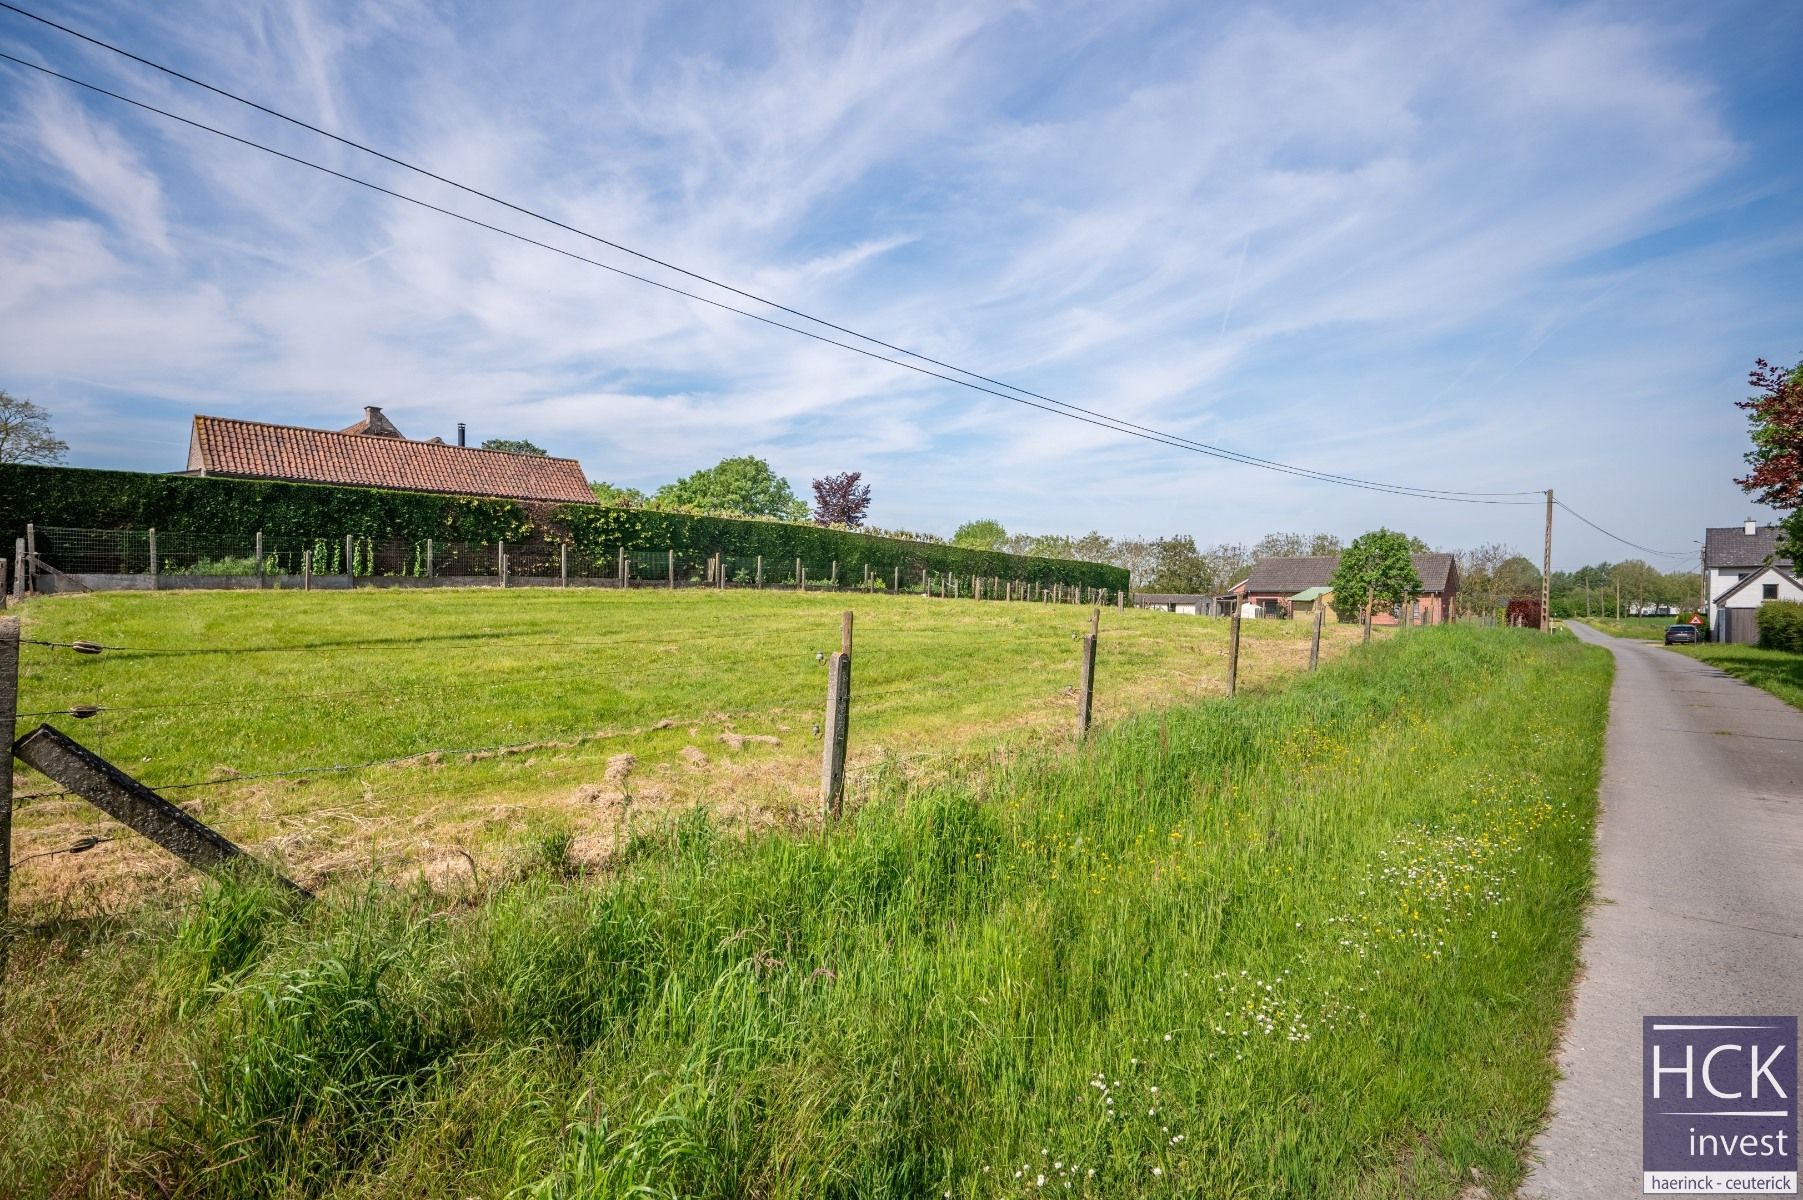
(59, 559)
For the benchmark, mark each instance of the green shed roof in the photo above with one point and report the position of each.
(1314, 593)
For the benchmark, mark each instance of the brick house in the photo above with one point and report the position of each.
(373, 453)
(1277, 586)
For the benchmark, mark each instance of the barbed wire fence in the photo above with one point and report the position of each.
(80, 772)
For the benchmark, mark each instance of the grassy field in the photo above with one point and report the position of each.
(1313, 941)
(581, 711)
(1647, 629)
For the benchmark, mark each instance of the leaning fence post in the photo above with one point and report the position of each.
(1314, 645)
(1233, 652)
(1086, 681)
(9, 708)
(156, 566)
(834, 729)
(1370, 599)
(129, 802)
(259, 553)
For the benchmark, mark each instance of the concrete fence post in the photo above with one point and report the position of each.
(19, 568)
(349, 575)
(29, 560)
(670, 561)
(501, 562)
(429, 563)
(760, 571)
(563, 564)
(156, 564)
(306, 570)
(259, 554)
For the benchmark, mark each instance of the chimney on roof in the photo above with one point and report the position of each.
(374, 424)
(1751, 527)
(460, 433)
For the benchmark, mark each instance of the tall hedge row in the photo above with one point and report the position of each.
(1781, 625)
(237, 508)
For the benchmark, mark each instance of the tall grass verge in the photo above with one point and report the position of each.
(1312, 942)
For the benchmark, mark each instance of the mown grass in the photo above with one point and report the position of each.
(1776, 671)
(1646, 629)
(1309, 942)
(614, 706)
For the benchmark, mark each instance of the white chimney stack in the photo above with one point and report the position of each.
(1752, 527)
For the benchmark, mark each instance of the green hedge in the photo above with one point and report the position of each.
(1781, 625)
(77, 498)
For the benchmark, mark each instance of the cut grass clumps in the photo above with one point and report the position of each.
(1308, 942)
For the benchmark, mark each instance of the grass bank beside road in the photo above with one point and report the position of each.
(1777, 671)
(1645, 629)
(1313, 941)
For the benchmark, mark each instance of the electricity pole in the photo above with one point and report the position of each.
(1546, 571)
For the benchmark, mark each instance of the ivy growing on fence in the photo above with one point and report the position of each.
(225, 509)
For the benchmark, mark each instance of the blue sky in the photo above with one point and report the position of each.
(1471, 246)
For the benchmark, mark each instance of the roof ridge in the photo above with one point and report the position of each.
(404, 440)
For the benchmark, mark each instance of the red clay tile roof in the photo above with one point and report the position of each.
(252, 449)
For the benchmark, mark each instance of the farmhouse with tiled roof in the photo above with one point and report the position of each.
(373, 453)
(1278, 585)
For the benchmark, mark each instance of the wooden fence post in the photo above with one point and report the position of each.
(1233, 652)
(672, 566)
(156, 566)
(132, 804)
(1370, 599)
(563, 564)
(259, 554)
(1314, 645)
(9, 708)
(1086, 681)
(836, 726)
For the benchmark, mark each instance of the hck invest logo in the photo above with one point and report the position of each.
(1718, 1106)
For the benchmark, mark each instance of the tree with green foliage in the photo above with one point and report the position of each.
(982, 535)
(25, 435)
(513, 446)
(1375, 570)
(607, 493)
(745, 484)
(1178, 567)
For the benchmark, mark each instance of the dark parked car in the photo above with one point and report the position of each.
(1681, 633)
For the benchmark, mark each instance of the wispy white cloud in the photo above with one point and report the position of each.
(1384, 243)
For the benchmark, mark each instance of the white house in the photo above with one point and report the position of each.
(1743, 570)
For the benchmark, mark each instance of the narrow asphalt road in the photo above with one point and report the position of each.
(1699, 905)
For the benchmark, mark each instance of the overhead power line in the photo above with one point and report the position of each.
(1617, 537)
(1025, 396)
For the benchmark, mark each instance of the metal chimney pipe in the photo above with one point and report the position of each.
(460, 433)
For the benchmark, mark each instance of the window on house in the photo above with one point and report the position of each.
(1769, 591)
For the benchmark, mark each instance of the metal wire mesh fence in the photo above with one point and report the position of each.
(93, 559)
